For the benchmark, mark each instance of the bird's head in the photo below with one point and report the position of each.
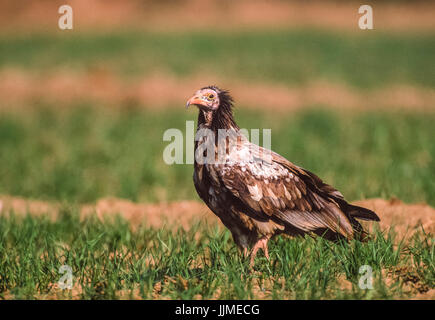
(215, 107)
(206, 99)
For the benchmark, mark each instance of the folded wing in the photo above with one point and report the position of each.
(281, 191)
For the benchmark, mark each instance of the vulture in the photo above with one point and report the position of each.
(257, 193)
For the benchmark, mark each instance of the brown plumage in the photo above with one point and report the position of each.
(257, 193)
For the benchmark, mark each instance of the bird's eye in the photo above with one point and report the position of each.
(211, 96)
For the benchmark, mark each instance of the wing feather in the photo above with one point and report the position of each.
(283, 191)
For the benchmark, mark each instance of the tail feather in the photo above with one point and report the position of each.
(361, 213)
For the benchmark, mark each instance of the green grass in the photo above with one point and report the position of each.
(366, 59)
(110, 261)
(81, 154)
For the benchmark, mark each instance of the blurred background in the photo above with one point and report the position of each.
(83, 111)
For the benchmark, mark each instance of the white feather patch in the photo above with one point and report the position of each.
(256, 192)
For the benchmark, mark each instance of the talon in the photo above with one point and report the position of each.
(262, 243)
(245, 252)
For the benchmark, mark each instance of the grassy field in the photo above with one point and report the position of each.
(81, 151)
(83, 154)
(110, 261)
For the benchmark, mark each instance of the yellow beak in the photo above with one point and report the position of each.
(196, 100)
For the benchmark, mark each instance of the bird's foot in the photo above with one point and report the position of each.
(261, 244)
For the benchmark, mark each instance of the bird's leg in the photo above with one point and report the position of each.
(266, 250)
(262, 243)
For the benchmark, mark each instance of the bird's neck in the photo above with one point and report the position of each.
(215, 120)
(224, 133)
